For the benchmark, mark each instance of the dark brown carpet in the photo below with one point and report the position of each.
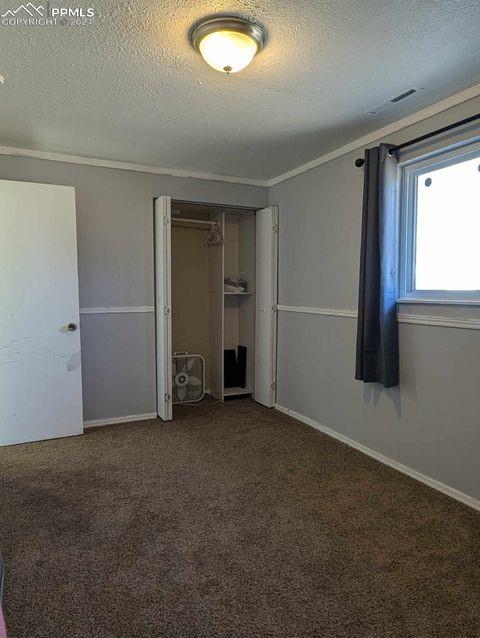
(233, 520)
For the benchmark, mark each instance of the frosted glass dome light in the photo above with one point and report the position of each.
(228, 44)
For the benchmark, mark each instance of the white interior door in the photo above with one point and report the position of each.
(40, 364)
(266, 306)
(163, 306)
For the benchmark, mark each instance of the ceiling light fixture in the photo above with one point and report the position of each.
(227, 43)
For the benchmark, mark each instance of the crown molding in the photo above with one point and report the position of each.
(449, 102)
(126, 166)
(423, 114)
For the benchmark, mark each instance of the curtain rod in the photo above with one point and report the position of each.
(360, 161)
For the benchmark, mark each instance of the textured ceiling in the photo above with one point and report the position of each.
(131, 88)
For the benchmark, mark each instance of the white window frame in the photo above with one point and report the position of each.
(411, 170)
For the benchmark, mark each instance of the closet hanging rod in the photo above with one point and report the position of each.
(193, 221)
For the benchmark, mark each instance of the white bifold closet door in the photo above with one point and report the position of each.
(40, 363)
(217, 311)
(266, 305)
(163, 306)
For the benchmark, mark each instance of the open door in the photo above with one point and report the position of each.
(266, 306)
(40, 361)
(163, 306)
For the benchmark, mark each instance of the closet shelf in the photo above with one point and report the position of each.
(237, 293)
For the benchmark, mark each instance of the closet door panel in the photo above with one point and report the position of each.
(216, 258)
(247, 257)
(247, 337)
(247, 304)
(163, 307)
(266, 302)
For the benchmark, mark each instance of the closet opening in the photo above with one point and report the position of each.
(216, 280)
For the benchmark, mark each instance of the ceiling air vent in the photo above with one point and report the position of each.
(376, 110)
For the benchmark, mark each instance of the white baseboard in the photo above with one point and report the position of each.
(119, 419)
(436, 485)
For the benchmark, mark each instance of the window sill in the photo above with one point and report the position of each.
(438, 302)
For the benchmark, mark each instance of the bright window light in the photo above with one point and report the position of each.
(447, 242)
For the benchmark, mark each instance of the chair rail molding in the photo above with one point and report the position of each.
(118, 310)
(311, 310)
(443, 322)
(414, 319)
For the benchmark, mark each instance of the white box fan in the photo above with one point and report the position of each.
(188, 383)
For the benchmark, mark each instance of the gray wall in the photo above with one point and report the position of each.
(115, 253)
(432, 422)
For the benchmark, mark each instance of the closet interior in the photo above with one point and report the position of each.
(213, 251)
(215, 302)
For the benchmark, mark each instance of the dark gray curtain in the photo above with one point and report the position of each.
(377, 327)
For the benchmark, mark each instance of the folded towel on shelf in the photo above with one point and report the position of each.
(232, 284)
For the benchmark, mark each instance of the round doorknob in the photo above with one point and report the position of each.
(72, 327)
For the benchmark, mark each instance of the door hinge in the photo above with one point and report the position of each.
(166, 310)
(275, 228)
(166, 221)
(167, 397)
(274, 385)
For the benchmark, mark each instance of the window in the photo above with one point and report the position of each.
(440, 240)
